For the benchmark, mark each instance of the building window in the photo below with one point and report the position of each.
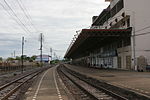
(117, 8)
(113, 10)
(120, 5)
(128, 22)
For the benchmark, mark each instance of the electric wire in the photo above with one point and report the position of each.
(13, 12)
(17, 19)
(13, 18)
(143, 29)
(27, 15)
(53, 49)
(23, 15)
(142, 34)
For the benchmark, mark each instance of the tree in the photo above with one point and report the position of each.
(10, 59)
(18, 58)
(33, 57)
(27, 58)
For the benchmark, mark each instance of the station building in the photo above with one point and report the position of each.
(45, 58)
(118, 38)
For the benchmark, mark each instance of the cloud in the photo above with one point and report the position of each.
(58, 20)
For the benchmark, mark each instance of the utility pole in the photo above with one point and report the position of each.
(14, 53)
(54, 56)
(51, 53)
(41, 40)
(22, 55)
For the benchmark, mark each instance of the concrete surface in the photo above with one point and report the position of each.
(47, 87)
(135, 81)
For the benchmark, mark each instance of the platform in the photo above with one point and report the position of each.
(134, 81)
(48, 86)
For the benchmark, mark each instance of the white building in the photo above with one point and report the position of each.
(124, 14)
(133, 51)
(45, 58)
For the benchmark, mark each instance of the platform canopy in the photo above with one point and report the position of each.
(91, 39)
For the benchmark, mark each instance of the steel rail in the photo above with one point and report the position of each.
(10, 83)
(18, 87)
(79, 86)
(116, 92)
(11, 92)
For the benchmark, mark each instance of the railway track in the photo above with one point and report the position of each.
(9, 90)
(93, 89)
(81, 89)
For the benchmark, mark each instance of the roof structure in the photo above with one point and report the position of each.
(91, 39)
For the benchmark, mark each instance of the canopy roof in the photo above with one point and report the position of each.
(91, 39)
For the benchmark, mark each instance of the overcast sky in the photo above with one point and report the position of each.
(58, 20)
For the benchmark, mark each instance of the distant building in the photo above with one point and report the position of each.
(45, 58)
(117, 37)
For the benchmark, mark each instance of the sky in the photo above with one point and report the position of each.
(58, 20)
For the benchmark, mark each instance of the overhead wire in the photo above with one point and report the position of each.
(22, 14)
(27, 15)
(54, 52)
(53, 49)
(142, 34)
(46, 45)
(143, 29)
(13, 12)
(15, 17)
(12, 17)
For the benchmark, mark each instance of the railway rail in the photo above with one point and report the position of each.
(94, 89)
(75, 91)
(9, 90)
